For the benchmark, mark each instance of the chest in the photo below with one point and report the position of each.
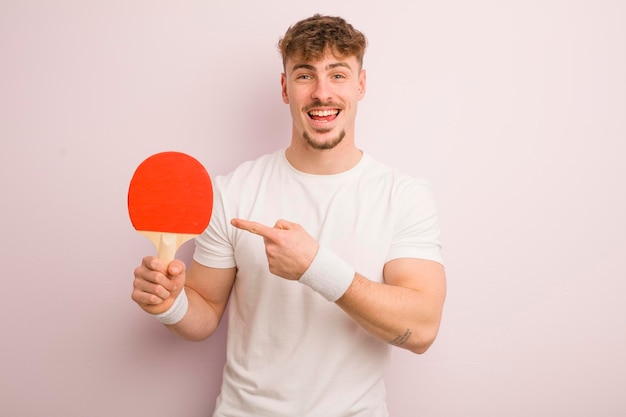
(354, 220)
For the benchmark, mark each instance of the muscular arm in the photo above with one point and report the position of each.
(208, 290)
(405, 310)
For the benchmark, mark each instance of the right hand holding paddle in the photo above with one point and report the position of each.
(156, 285)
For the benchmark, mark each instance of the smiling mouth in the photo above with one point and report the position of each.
(323, 115)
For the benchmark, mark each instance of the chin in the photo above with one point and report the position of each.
(324, 145)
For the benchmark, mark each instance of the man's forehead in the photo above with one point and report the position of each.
(327, 62)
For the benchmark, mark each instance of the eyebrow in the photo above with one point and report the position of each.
(312, 68)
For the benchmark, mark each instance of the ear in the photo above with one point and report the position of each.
(283, 86)
(362, 83)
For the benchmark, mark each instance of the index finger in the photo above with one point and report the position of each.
(253, 227)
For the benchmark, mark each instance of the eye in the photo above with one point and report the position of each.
(303, 77)
(338, 76)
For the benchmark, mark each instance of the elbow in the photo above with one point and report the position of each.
(422, 342)
(419, 347)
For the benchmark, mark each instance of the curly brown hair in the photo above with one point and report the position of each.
(310, 38)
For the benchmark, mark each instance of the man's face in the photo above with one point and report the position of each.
(322, 98)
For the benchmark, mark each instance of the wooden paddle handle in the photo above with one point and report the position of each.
(167, 244)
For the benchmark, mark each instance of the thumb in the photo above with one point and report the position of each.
(175, 268)
(283, 224)
(176, 274)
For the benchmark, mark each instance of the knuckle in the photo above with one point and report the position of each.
(138, 271)
(137, 283)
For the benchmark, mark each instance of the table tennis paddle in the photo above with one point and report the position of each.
(170, 200)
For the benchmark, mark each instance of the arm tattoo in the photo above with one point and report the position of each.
(401, 338)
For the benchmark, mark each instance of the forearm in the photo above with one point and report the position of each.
(200, 321)
(405, 317)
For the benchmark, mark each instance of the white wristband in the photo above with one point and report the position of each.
(328, 274)
(176, 312)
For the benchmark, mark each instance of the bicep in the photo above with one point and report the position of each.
(422, 275)
(212, 284)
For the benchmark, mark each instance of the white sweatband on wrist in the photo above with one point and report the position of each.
(177, 311)
(328, 274)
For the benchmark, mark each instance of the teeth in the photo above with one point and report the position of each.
(323, 113)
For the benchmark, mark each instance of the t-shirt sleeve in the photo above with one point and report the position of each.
(417, 230)
(213, 246)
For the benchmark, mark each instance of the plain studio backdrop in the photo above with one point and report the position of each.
(514, 111)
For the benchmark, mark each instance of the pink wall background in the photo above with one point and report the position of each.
(515, 111)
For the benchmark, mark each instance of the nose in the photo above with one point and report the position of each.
(322, 90)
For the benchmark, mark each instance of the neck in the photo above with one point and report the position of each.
(339, 159)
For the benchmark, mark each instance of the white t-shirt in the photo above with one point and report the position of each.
(289, 351)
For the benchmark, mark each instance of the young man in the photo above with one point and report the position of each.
(327, 256)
